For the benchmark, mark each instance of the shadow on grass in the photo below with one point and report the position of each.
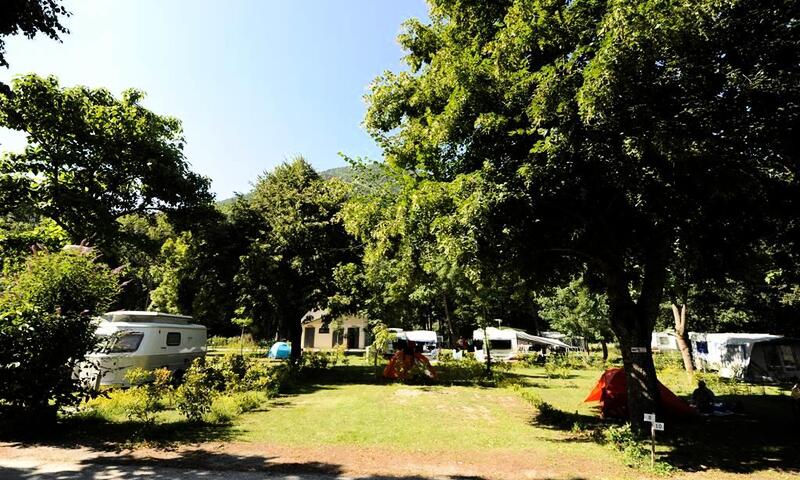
(99, 434)
(208, 465)
(761, 436)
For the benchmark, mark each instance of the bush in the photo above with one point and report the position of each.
(45, 332)
(558, 366)
(148, 389)
(38, 355)
(466, 370)
(635, 453)
(194, 397)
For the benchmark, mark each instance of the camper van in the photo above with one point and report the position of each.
(147, 340)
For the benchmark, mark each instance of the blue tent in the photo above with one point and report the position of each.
(279, 350)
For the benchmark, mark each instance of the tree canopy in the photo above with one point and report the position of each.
(616, 128)
(30, 17)
(92, 159)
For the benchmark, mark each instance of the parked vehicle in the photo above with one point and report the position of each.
(510, 343)
(755, 357)
(147, 340)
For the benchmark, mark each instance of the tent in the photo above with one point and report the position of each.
(611, 392)
(280, 350)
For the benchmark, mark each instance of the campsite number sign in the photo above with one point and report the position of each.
(654, 426)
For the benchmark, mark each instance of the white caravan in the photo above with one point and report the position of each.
(727, 353)
(510, 343)
(147, 340)
(664, 341)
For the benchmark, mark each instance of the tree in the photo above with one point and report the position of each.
(93, 159)
(615, 128)
(576, 310)
(30, 17)
(194, 272)
(296, 244)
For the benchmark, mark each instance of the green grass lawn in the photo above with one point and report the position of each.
(347, 406)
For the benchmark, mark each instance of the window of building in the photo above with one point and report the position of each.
(308, 341)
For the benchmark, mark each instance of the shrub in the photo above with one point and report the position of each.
(316, 360)
(635, 453)
(194, 397)
(148, 389)
(223, 409)
(466, 370)
(44, 331)
(38, 355)
(557, 366)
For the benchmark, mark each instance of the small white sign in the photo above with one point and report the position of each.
(658, 426)
(639, 349)
(649, 417)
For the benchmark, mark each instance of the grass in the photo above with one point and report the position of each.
(348, 406)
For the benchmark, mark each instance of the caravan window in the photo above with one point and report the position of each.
(173, 339)
(788, 357)
(123, 342)
(500, 344)
(772, 357)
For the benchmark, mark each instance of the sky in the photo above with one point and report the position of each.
(254, 82)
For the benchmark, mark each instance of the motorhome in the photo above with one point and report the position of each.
(147, 340)
(510, 343)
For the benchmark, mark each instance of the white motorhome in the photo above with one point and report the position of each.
(509, 343)
(147, 340)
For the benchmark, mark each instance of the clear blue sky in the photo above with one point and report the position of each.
(254, 82)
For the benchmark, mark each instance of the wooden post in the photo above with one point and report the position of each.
(652, 445)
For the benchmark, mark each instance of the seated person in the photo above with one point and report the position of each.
(703, 398)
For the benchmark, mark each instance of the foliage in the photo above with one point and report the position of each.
(296, 242)
(617, 132)
(46, 328)
(66, 282)
(195, 269)
(634, 452)
(121, 159)
(18, 238)
(575, 310)
(148, 388)
(45, 346)
(30, 17)
(383, 338)
(193, 398)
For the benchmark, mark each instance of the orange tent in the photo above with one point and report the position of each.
(611, 391)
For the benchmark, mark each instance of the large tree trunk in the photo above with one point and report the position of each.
(633, 323)
(682, 336)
